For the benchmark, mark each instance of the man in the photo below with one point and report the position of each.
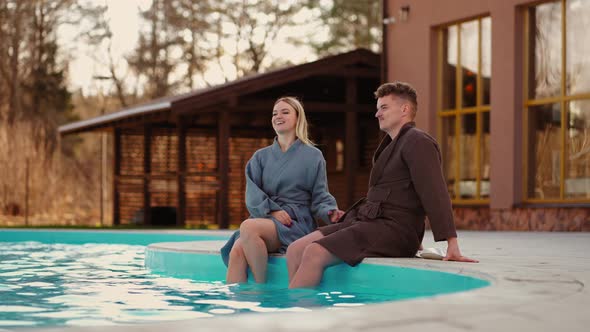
(406, 184)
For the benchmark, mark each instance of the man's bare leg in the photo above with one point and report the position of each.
(259, 237)
(314, 261)
(296, 249)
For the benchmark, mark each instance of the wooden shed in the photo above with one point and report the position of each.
(183, 157)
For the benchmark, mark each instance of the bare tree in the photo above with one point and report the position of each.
(35, 98)
(99, 35)
(190, 21)
(153, 57)
(351, 24)
(254, 26)
(12, 17)
(30, 71)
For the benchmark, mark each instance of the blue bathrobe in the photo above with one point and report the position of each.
(294, 181)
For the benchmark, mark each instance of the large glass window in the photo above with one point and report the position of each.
(464, 108)
(557, 108)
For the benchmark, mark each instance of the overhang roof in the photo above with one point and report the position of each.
(203, 98)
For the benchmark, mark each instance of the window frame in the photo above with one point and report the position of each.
(458, 111)
(563, 100)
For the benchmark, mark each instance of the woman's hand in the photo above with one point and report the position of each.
(283, 217)
(335, 215)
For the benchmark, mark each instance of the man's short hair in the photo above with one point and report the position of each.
(399, 89)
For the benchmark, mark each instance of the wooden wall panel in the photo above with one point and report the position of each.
(241, 150)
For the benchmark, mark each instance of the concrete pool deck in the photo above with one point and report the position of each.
(538, 284)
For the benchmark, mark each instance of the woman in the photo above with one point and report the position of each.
(286, 187)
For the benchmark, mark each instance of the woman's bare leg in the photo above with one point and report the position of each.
(296, 249)
(259, 237)
(237, 269)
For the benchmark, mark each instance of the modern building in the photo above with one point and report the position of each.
(505, 88)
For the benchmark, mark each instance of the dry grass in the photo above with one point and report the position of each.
(62, 190)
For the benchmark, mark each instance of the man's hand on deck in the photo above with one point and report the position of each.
(335, 215)
(282, 216)
(454, 254)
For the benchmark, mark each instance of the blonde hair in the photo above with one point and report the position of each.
(301, 126)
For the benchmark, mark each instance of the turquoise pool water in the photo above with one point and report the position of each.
(341, 285)
(96, 278)
(106, 237)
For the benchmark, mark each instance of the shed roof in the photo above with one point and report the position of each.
(202, 98)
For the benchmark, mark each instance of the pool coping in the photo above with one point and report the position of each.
(537, 283)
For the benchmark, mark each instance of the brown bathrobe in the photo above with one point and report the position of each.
(406, 184)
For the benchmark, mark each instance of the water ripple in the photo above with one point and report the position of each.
(106, 284)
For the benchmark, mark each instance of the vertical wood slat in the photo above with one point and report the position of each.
(116, 173)
(241, 148)
(351, 149)
(181, 173)
(200, 180)
(223, 170)
(147, 161)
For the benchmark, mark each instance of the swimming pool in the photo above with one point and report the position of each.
(96, 278)
(106, 236)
